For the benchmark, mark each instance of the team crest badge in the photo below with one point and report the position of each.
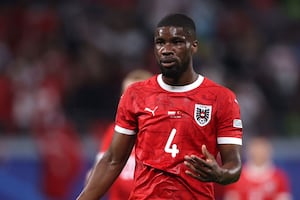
(202, 114)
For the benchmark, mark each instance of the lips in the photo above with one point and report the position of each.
(167, 62)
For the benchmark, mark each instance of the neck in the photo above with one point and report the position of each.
(184, 79)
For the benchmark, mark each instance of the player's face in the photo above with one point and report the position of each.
(173, 50)
(259, 151)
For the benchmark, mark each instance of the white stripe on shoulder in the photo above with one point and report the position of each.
(229, 140)
(125, 131)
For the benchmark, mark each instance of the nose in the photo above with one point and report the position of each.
(167, 49)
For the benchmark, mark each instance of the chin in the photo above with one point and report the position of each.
(170, 72)
(173, 75)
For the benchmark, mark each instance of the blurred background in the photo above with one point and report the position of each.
(62, 63)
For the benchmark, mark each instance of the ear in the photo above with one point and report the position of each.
(195, 46)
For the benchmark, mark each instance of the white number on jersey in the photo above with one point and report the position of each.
(172, 150)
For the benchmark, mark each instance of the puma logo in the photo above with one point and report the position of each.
(152, 111)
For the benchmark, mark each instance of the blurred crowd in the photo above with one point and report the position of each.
(62, 62)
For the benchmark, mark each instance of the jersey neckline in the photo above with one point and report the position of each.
(184, 88)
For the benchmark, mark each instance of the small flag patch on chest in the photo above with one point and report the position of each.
(175, 114)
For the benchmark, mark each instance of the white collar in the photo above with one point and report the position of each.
(183, 88)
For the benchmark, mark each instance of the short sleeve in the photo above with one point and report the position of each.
(229, 123)
(126, 120)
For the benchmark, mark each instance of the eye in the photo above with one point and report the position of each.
(159, 42)
(178, 42)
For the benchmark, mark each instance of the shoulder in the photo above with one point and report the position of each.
(218, 89)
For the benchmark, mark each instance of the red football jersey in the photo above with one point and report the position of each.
(171, 122)
(123, 185)
(267, 184)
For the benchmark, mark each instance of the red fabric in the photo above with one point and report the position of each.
(266, 186)
(171, 125)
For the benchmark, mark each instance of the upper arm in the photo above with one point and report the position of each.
(120, 147)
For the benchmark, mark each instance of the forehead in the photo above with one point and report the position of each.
(170, 31)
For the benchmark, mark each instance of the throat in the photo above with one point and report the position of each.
(181, 81)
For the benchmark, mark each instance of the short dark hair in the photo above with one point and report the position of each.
(178, 20)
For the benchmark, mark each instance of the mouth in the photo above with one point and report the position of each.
(168, 62)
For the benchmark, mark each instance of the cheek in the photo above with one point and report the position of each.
(184, 54)
(155, 50)
(156, 53)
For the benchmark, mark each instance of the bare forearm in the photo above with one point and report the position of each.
(232, 164)
(101, 178)
(108, 168)
(230, 173)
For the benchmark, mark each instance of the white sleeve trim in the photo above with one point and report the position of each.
(229, 140)
(125, 131)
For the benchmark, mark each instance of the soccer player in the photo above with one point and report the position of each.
(123, 185)
(178, 121)
(260, 179)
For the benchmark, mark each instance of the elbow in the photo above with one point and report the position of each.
(110, 162)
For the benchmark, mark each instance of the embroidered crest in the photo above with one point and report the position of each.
(202, 114)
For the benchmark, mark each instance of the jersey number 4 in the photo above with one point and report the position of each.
(171, 148)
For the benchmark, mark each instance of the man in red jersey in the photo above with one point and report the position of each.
(260, 179)
(123, 185)
(178, 122)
